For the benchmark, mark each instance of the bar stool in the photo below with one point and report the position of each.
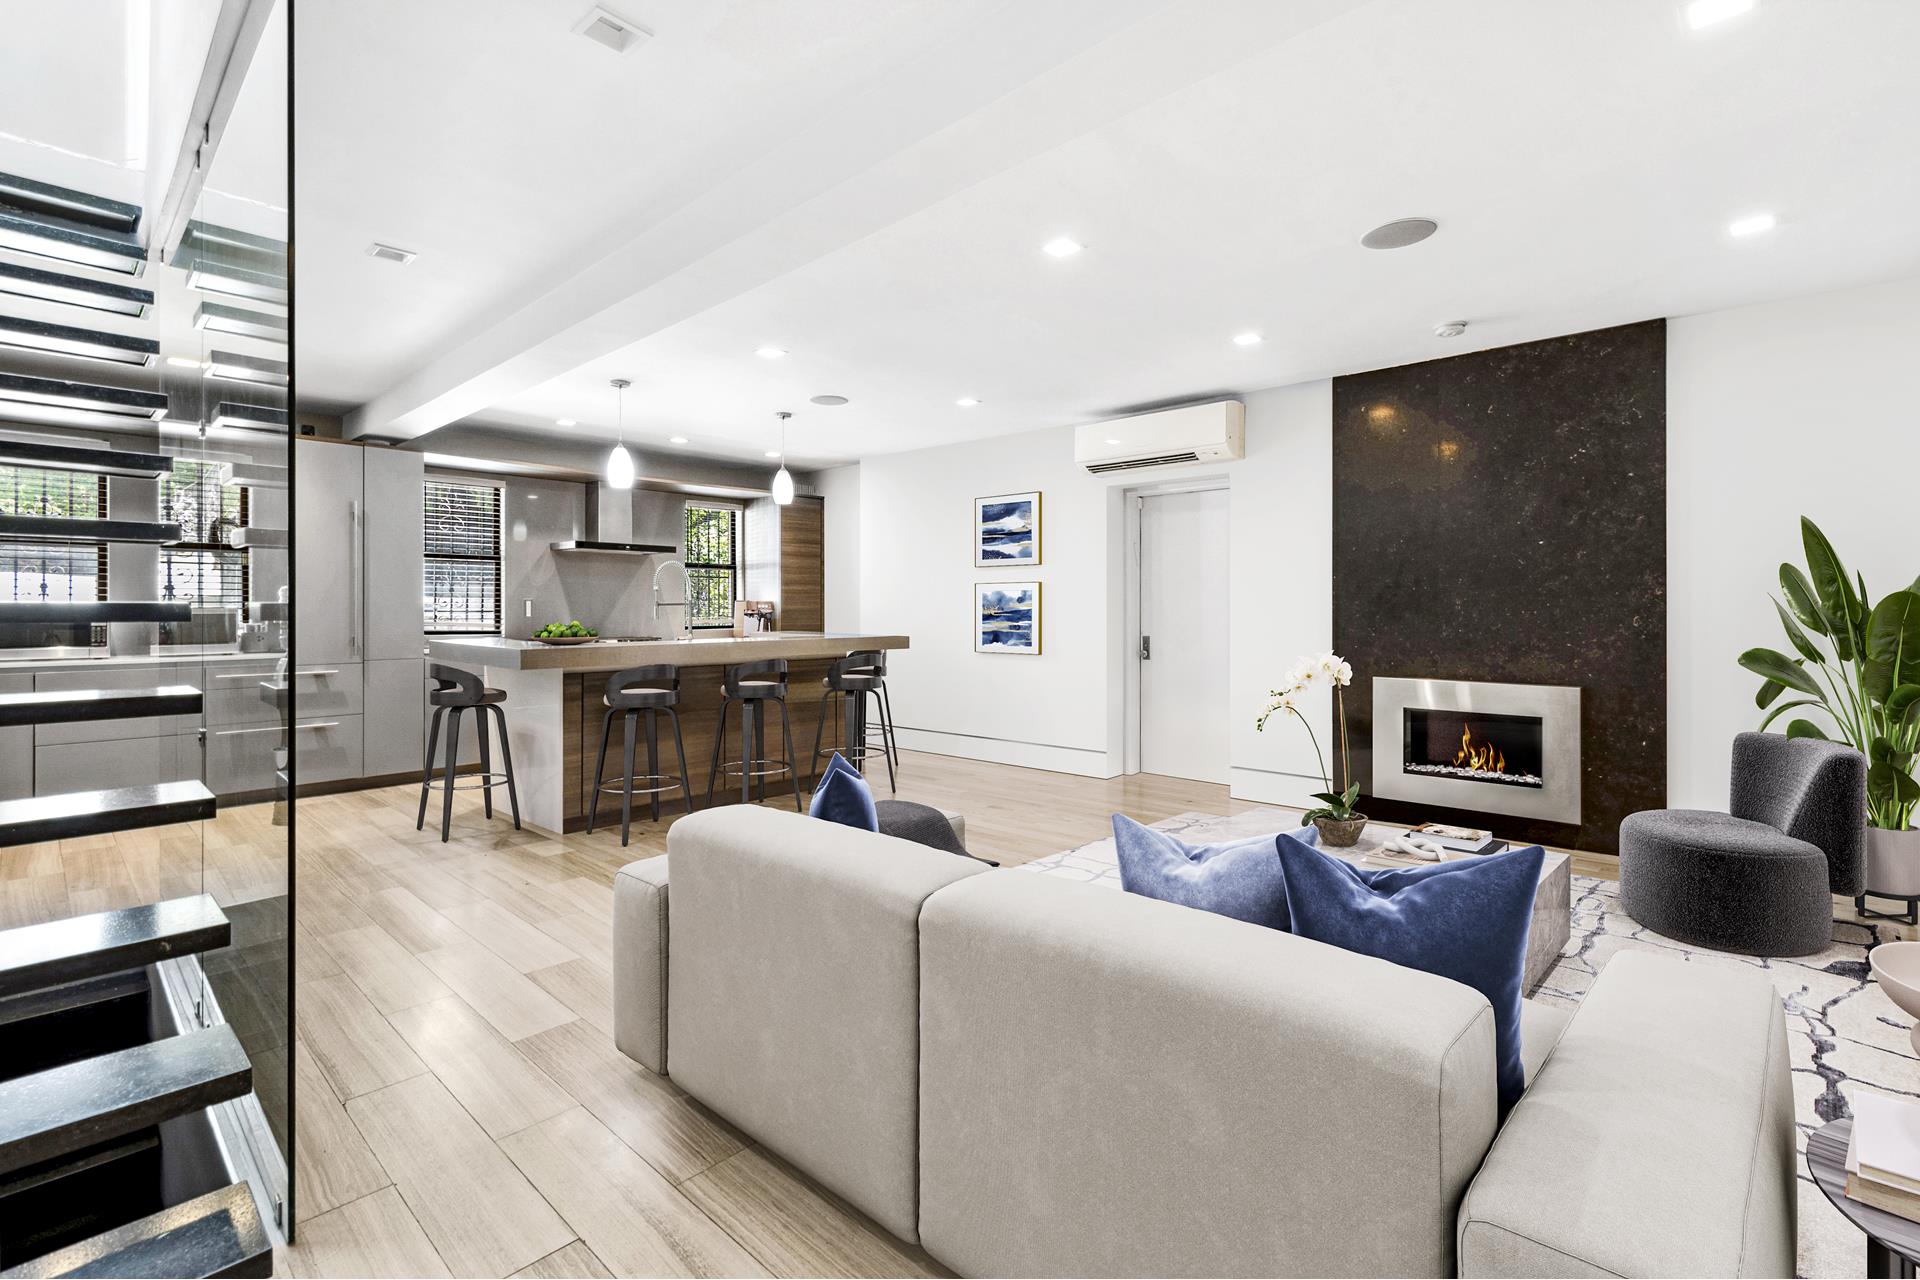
(753, 685)
(850, 682)
(631, 694)
(877, 666)
(460, 691)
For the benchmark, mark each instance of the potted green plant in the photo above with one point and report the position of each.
(1340, 825)
(1858, 664)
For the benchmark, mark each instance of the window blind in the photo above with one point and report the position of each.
(462, 563)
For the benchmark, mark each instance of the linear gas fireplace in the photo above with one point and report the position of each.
(1497, 748)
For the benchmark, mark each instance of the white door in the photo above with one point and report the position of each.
(1184, 715)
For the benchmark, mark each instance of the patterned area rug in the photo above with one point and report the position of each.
(1843, 1034)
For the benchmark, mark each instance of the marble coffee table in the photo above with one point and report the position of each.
(1552, 905)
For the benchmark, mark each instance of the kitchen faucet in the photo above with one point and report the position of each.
(684, 604)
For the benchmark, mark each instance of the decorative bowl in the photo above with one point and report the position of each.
(1896, 965)
(566, 639)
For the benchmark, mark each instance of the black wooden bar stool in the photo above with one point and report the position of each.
(850, 682)
(460, 691)
(753, 685)
(631, 694)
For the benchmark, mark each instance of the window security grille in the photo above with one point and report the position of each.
(713, 564)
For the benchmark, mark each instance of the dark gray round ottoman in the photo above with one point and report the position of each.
(1729, 883)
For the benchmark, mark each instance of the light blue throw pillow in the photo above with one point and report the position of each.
(1238, 878)
(1467, 920)
(843, 796)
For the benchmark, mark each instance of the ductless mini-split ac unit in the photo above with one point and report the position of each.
(1214, 432)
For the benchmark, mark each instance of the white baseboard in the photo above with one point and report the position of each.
(1085, 761)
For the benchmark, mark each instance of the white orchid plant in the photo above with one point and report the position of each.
(1308, 674)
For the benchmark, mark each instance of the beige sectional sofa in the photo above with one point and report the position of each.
(1029, 1076)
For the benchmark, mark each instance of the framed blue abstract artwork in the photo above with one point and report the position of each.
(1006, 530)
(1008, 618)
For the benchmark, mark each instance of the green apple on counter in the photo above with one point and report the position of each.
(564, 631)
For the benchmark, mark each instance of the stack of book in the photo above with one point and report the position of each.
(1883, 1155)
(1457, 839)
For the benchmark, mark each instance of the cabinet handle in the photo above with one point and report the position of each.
(274, 728)
(355, 552)
(241, 675)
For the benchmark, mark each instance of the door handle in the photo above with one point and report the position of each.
(1146, 648)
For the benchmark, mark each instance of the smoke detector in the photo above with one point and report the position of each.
(605, 27)
(1451, 329)
(390, 253)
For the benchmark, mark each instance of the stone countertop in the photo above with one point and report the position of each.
(613, 655)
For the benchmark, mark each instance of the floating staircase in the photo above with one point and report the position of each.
(103, 1115)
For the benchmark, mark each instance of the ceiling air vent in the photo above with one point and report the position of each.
(388, 253)
(603, 26)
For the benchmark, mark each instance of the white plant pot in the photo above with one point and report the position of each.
(1893, 863)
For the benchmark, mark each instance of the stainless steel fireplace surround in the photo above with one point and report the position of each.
(1550, 791)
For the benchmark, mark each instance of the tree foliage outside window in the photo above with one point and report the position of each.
(713, 564)
(202, 568)
(47, 572)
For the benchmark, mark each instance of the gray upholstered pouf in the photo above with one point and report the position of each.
(1729, 883)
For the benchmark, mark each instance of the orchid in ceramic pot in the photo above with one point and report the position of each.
(1340, 825)
(1867, 689)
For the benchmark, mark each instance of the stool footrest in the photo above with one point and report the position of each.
(669, 783)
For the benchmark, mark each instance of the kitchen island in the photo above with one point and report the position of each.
(554, 712)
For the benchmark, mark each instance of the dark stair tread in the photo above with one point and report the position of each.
(62, 951)
(88, 813)
(71, 340)
(125, 985)
(74, 291)
(81, 529)
(90, 611)
(217, 1234)
(53, 1113)
(67, 457)
(67, 393)
(75, 706)
(28, 231)
(27, 195)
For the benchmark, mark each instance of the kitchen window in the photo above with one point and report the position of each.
(35, 572)
(202, 567)
(462, 568)
(713, 564)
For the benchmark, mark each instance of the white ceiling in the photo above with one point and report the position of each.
(1220, 162)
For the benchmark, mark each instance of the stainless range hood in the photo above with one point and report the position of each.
(610, 519)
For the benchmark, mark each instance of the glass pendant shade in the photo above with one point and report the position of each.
(783, 487)
(620, 468)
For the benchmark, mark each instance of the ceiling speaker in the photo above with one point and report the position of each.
(1399, 234)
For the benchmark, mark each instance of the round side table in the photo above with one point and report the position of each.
(1893, 1242)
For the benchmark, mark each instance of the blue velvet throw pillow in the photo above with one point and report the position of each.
(1466, 920)
(1238, 878)
(843, 796)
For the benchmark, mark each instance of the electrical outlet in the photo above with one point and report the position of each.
(529, 608)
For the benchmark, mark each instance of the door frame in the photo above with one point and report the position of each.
(1132, 501)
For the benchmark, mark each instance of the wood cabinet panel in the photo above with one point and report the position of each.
(803, 538)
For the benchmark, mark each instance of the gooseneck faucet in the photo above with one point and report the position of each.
(684, 604)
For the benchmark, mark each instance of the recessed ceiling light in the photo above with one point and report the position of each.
(1704, 13)
(677, 440)
(771, 353)
(966, 402)
(1752, 225)
(831, 402)
(182, 362)
(565, 422)
(1061, 247)
(1399, 233)
(1450, 329)
(773, 453)
(390, 253)
(1247, 339)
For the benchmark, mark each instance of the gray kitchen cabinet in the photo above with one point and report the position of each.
(390, 722)
(328, 552)
(393, 480)
(95, 766)
(241, 757)
(16, 747)
(329, 748)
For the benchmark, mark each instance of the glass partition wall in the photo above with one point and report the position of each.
(145, 619)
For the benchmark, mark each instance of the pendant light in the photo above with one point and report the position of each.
(620, 462)
(782, 479)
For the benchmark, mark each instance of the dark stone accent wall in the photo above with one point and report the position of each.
(1502, 516)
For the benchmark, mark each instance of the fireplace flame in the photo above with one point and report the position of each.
(1483, 756)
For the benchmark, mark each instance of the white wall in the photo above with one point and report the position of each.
(1063, 710)
(1802, 407)
(840, 487)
